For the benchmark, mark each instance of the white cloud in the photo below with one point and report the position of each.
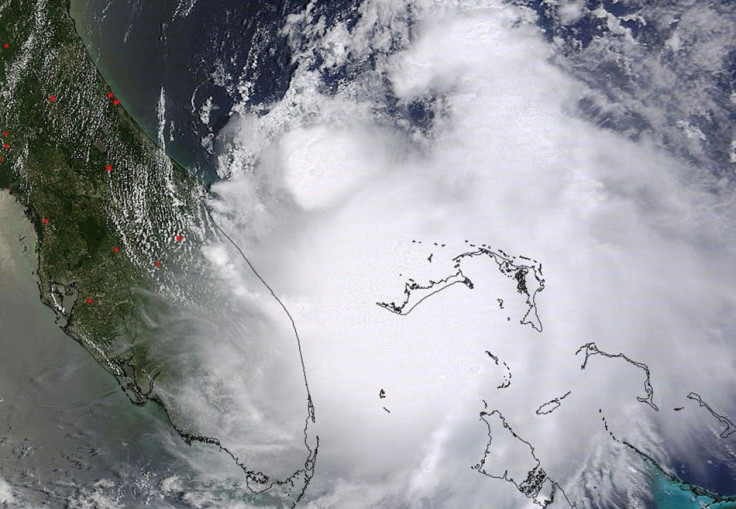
(571, 11)
(323, 164)
(6, 492)
(635, 251)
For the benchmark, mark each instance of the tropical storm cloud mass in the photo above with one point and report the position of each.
(425, 129)
(448, 253)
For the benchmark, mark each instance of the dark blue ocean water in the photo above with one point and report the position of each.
(671, 495)
(206, 52)
(141, 46)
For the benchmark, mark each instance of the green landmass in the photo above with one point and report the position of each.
(54, 161)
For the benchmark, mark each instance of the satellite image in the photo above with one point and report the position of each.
(358, 254)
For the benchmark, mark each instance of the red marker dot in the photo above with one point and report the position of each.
(45, 220)
(110, 95)
(115, 249)
(179, 238)
(89, 301)
(116, 102)
(1, 159)
(6, 45)
(157, 264)
(5, 133)
(52, 98)
(5, 145)
(108, 167)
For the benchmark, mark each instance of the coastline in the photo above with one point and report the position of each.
(16, 229)
(142, 112)
(134, 75)
(62, 416)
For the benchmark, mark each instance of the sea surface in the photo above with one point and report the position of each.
(67, 431)
(193, 59)
(64, 422)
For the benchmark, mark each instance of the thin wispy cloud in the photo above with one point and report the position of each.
(445, 122)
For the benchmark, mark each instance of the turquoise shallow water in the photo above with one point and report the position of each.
(668, 494)
(133, 57)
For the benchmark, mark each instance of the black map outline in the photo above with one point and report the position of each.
(536, 476)
(139, 397)
(412, 285)
(698, 491)
(506, 265)
(556, 401)
(592, 349)
(507, 375)
(730, 426)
